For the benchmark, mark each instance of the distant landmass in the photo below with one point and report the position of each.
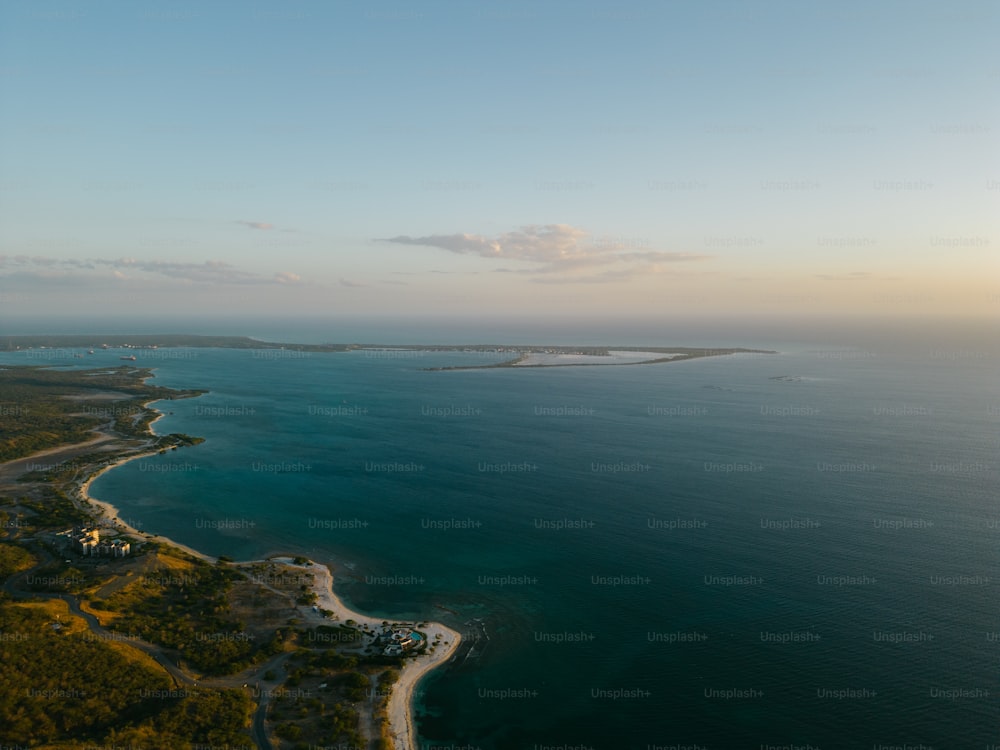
(154, 341)
(520, 355)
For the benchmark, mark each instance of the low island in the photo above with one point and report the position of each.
(147, 347)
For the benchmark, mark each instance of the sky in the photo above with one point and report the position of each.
(524, 158)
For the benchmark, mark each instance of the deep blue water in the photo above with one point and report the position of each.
(791, 539)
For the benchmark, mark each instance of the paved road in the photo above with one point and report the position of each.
(265, 693)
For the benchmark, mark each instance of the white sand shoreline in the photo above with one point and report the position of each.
(108, 513)
(400, 707)
(613, 357)
(401, 723)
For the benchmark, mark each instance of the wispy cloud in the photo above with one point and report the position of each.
(351, 284)
(256, 224)
(554, 249)
(209, 271)
(550, 242)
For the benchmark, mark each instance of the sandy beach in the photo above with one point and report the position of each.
(400, 709)
(444, 640)
(549, 359)
(107, 514)
(401, 701)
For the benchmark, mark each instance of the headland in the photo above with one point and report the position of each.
(46, 493)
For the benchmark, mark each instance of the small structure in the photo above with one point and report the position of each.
(397, 641)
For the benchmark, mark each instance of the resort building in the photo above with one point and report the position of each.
(87, 541)
(114, 548)
(396, 642)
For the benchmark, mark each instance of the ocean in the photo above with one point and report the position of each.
(788, 550)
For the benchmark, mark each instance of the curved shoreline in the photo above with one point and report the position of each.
(400, 704)
(106, 509)
(400, 708)
(522, 362)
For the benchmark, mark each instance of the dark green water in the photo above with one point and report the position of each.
(674, 555)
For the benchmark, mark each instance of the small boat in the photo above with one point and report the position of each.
(130, 359)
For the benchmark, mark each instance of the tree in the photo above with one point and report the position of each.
(288, 731)
(387, 679)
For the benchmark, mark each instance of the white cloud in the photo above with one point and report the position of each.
(556, 248)
(535, 243)
(256, 224)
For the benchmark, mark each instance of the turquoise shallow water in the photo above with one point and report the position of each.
(680, 554)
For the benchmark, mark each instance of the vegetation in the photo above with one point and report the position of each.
(143, 341)
(190, 614)
(54, 510)
(13, 559)
(317, 704)
(45, 407)
(64, 685)
(60, 683)
(387, 679)
(306, 597)
(60, 577)
(329, 636)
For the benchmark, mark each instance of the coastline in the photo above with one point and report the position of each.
(108, 514)
(656, 357)
(444, 640)
(118, 449)
(400, 709)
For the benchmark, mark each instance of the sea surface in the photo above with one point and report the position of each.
(794, 549)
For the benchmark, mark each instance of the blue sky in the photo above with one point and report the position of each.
(545, 157)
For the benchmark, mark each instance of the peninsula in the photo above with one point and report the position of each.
(127, 637)
(147, 346)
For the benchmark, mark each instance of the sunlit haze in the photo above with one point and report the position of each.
(439, 158)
